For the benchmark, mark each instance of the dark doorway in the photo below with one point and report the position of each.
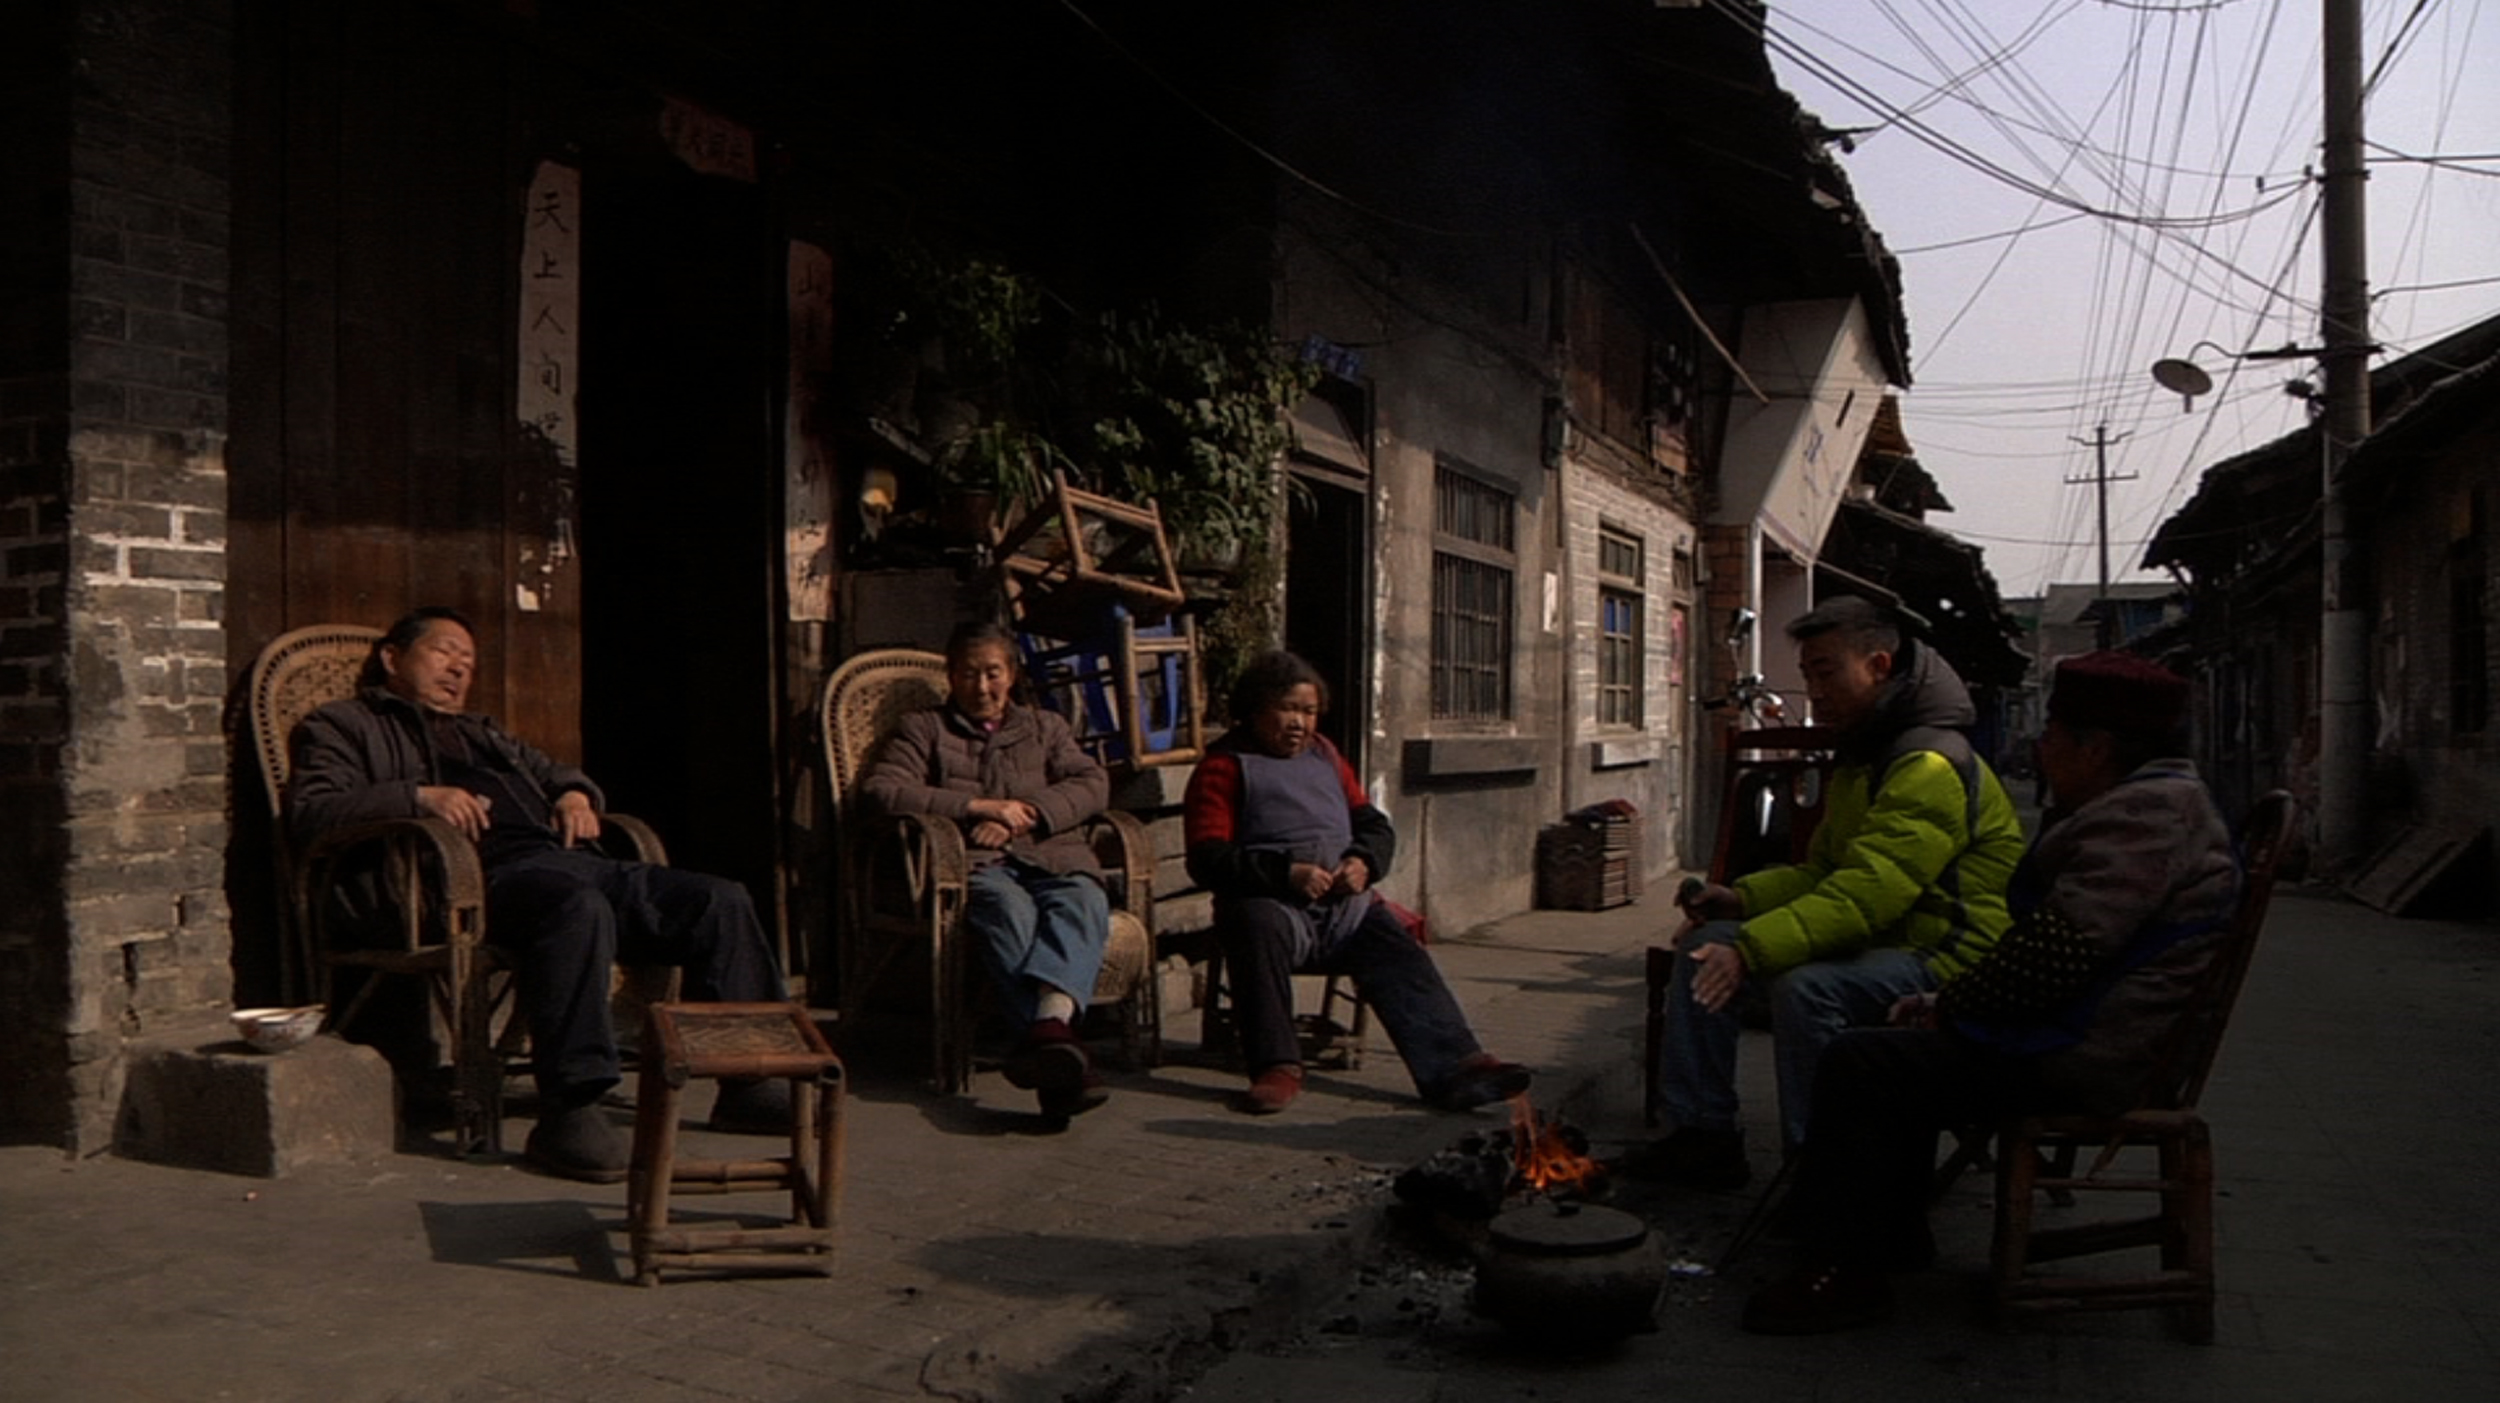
(679, 500)
(1328, 601)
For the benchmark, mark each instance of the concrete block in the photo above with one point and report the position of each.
(1181, 984)
(1459, 757)
(199, 1098)
(1142, 792)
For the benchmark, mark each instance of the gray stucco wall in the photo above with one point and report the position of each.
(1460, 377)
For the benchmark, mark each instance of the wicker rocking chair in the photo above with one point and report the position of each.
(902, 879)
(431, 879)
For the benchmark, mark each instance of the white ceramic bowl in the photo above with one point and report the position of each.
(277, 1029)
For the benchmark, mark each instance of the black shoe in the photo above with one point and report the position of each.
(1693, 1158)
(1061, 1105)
(1052, 1064)
(1817, 1300)
(752, 1106)
(1480, 1081)
(577, 1142)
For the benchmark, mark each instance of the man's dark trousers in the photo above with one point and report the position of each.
(565, 917)
(1268, 941)
(1880, 1097)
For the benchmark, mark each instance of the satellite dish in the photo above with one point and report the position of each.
(2184, 378)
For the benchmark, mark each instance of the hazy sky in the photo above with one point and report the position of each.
(2154, 153)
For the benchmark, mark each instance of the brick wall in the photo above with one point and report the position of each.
(112, 530)
(34, 416)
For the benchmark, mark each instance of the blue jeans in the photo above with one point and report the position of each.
(1268, 941)
(1810, 1005)
(1037, 928)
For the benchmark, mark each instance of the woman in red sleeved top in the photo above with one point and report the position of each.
(1280, 830)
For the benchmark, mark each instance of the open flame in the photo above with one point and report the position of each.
(1543, 1155)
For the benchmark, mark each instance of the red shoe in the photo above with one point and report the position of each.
(1272, 1090)
(1479, 1081)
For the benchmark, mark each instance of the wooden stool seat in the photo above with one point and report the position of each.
(693, 1041)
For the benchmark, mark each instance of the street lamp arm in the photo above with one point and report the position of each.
(2186, 379)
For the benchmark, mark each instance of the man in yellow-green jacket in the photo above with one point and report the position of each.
(1903, 886)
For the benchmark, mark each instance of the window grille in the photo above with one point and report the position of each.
(1474, 571)
(1619, 611)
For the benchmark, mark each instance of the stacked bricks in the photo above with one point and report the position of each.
(113, 531)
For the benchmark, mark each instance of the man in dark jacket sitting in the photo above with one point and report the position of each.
(406, 747)
(2120, 908)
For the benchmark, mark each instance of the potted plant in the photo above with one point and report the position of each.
(953, 355)
(999, 395)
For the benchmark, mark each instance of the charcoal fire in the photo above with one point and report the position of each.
(1479, 1174)
(1551, 1157)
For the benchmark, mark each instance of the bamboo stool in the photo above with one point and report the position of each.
(691, 1041)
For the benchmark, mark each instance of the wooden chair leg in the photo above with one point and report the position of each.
(477, 1068)
(1218, 1026)
(1213, 1026)
(824, 1098)
(652, 1174)
(2018, 1165)
(1766, 1206)
(804, 1179)
(1970, 1151)
(1142, 1021)
(2188, 1207)
(1347, 1043)
(950, 1017)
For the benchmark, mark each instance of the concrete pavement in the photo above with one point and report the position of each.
(1166, 1246)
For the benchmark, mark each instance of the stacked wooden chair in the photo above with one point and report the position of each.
(1095, 593)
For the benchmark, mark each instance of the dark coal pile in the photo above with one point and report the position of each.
(1468, 1180)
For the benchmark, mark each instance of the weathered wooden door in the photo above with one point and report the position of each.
(1328, 601)
(618, 564)
(376, 462)
(679, 497)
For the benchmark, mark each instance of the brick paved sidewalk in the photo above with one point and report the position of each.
(1165, 1235)
(979, 1258)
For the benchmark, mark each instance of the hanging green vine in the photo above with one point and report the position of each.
(1195, 419)
(1131, 404)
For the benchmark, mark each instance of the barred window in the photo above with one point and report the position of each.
(1473, 580)
(1619, 610)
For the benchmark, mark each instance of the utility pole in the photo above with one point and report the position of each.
(2100, 478)
(2345, 347)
